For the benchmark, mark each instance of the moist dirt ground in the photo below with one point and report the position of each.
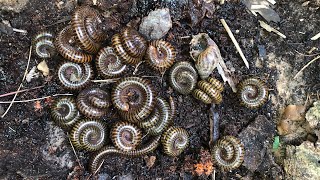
(32, 147)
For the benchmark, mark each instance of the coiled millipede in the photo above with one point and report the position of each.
(43, 44)
(86, 22)
(160, 55)
(75, 76)
(165, 117)
(253, 93)
(183, 77)
(174, 141)
(93, 102)
(228, 153)
(65, 45)
(108, 63)
(97, 159)
(89, 135)
(209, 91)
(126, 136)
(129, 45)
(134, 98)
(65, 113)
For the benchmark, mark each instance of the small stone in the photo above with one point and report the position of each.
(313, 115)
(156, 24)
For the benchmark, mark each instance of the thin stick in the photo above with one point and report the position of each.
(105, 80)
(11, 93)
(225, 25)
(98, 168)
(24, 76)
(19, 30)
(313, 60)
(74, 151)
(136, 68)
(36, 99)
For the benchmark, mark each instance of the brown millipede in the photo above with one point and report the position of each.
(93, 102)
(65, 113)
(183, 77)
(108, 63)
(174, 141)
(228, 153)
(129, 45)
(97, 159)
(75, 76)
(84, 30)
(134, 98)
(125, 136)
(209, 91)
(43, 44)
(253, 93)
(88, 134)
(65, 46)
(160, 55)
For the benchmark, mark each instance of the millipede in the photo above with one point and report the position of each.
(75, 76)
(174, 141)
(88, 134)
(65, 113)
(160, 55)
(109, 64)
(43, 44)
(253, 93)
(93, 102)
(228, 153)
(209, 91)
(183, 77)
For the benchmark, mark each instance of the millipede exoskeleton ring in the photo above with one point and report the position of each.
(126, 136)
(43, 44)
(253, 93)
(174, 141)
(108, 63)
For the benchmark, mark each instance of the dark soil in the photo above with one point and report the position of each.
(23, 131)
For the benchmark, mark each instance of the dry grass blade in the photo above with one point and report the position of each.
(36, 99)
(304, 67)
(12, 93)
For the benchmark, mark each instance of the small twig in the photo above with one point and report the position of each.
(24, 76)
(36, 99)
(12, 93)
(236, 44)
(306, 54)
(185, 37)
(74, 151)
(136, 68)
(65, 19)
(19, 30)
(317, 36)
(98, 168)
(304, 67)
(105, 80)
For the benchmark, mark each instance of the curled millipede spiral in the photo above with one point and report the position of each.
(129, 45)
(108, 63)
(126, 136)
(43, 44)
(228, 153)
(165, 117)
(209, 91)
(65, 113)
(65, 45)
(93, 102)
(174, 141)
(75, 76)
(253, 93)
(89, 135)
(183, 77)
(134, 98)
(86, 22)
(97, 159)
(160, 55)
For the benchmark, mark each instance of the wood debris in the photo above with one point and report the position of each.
(263, 8)
(43, 67)
(271, 29)
(317, 36)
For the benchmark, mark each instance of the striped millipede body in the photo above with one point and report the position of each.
(160, 55)
(93, 102)
(228, 153)
(75, 76)
(253, 93)
(43, 44)
(165, 117)
(65, 113)
(125, 136)
(134, 98)
(183, 77)
(97, 158)
(108, 63)
(85, 23)
(89, 135)
(174, 141)
(65, 46)
(209, 91)
(129, 45)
